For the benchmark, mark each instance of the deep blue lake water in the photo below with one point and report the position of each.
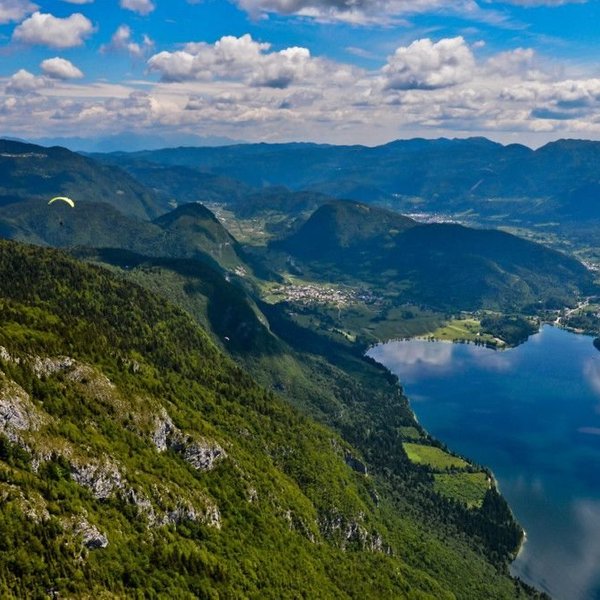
(531, 414)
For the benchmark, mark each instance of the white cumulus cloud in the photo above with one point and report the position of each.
(24, 82)
(122, 41)
(237, 59)
(15, 10)
(143, 7)
(244, 89)
(520, 61)
(47, 30)
(429, 65)
(60, 68)
(364, 12)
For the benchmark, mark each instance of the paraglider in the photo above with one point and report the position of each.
(64, 199)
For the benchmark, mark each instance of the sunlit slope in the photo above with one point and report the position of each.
(136, 458)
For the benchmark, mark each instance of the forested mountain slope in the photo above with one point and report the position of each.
(30, 171)
(136, 458)
(446, 266)
(190, 231)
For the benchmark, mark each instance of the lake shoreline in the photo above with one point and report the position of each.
(436, 379)
(494, 481)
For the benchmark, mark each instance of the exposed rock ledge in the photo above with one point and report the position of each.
(210, 515)
(355, 464)
(6, 356)
(90, 535)
(202, 455)
(17, 411)
(165, 431)
(102, 476)
(101, 479)
(351, 532)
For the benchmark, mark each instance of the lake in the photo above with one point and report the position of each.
(531, 414)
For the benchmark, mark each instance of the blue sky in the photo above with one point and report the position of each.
(339, 71)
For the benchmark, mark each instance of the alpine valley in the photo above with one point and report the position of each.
(186, 406)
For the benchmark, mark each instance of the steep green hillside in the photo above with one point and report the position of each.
(445, 266)
(219, 305)
(138, 460)
(343, 229)
(190, 231)
(89, 223)
(331, 381)
(29, 171)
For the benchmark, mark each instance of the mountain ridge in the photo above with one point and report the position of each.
(444, 175)
(30, 171)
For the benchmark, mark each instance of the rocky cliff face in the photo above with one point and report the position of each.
(103, 479)
(18, 414)
(90, 535)
(25, 423)
(201, 454)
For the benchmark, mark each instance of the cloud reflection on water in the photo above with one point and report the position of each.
(491, 360)
(589, 430)
(591, 372)
(530, 485)
(415, 357)
(568, 571)
(531, 414)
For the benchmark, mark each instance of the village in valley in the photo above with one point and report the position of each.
(313, 294)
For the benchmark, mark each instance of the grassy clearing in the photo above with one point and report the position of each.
(468, 488)
(458, 329)
(410, 433)
(433, 457)
(468, 329)
(403, 322)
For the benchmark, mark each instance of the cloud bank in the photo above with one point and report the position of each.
(244, 88)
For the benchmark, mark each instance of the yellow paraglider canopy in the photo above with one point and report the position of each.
(64, 199)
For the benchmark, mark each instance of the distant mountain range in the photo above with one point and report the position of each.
(176, 185)
(444, 266)
(472, 179)
(473, 176)
(131, 142)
